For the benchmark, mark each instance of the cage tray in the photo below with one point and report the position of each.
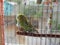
(38, 35)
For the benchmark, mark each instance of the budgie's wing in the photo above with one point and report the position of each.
(31, 28)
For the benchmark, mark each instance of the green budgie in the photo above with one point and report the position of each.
(23, 22)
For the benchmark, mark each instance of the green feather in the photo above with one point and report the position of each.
(25, 24)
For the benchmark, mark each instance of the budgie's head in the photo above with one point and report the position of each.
(21, 18)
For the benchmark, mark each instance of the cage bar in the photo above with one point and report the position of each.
(2, 40)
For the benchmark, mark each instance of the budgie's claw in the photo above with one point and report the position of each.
(33, 31)
(36, 31)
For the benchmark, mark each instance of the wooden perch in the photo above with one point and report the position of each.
(39, 35)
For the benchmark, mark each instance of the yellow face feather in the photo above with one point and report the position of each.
(22, 18)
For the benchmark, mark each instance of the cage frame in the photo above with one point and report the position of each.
(20, 33)
(42, 35)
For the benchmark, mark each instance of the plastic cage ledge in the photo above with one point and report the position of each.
(38, 35)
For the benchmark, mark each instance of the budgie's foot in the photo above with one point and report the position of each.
(21, 29)
(25, 31)
(28, 31)
(36, 31)
(32, 31)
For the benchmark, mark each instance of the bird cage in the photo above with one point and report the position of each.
(30, 22)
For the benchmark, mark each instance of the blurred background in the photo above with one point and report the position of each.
(37, 12)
